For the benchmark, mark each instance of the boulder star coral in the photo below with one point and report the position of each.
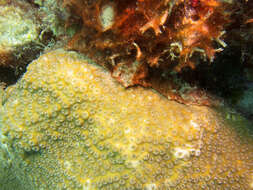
(68, 125)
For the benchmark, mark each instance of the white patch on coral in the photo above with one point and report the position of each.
(182, 153)
(128, 130)
(15, 102)
(151, 186)
(197, 152)
(70, 73)
(134, 163)
(194, 125)
(87, 185)
(67, 164)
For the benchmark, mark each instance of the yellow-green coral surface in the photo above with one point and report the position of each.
(68, 125)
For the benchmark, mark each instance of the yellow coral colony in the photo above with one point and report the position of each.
(68, 125)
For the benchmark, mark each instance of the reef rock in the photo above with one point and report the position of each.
(68, 125)
(19, 32)
(133, 37)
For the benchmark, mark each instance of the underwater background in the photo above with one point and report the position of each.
(126, 94)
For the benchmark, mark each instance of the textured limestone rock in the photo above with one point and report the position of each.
(19, 31)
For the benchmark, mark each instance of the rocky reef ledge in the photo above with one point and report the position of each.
(67, 124)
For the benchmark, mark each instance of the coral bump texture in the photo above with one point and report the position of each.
(68, 125)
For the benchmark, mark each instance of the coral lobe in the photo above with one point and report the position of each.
(68, 125)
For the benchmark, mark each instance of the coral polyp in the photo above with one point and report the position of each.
(129, 37)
